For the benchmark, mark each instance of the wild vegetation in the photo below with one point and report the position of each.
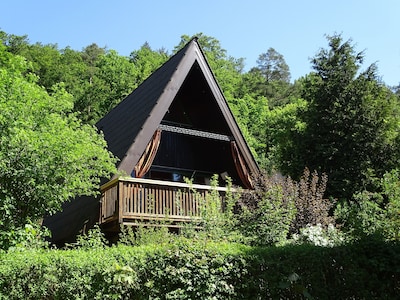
(221, 261)
(325, 210)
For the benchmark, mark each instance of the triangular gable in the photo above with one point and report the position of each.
(129, 127)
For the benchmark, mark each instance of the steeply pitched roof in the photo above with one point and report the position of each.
(130, 125)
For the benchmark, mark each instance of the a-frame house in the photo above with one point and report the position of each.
(176, 124)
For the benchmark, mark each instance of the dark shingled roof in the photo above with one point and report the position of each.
(130, 125)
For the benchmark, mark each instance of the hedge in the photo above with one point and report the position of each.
(189, 269)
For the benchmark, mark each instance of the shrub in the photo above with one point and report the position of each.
(279, 207)
(362, 216)
(267, 212)
(218, 221)
(391, 189)
(190, 269)
(145, 235)
(93, 239)
(312, 207)
(374, 213)
(31, 236)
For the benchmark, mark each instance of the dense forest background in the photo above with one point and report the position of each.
(265, 101)
(339, 121)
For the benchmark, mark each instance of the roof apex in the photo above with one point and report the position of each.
(130, 125)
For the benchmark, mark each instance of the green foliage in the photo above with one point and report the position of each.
(268, 212)
(214, 219)
(391, 189)
(145, 234)
(93, 239)
(351, 122)
(283, 126)
(29, 237)
(114, 80)
(46, 155)
(362, 216)
(251, 114)
(374, 213)
(279, 207)
(218, 221)
(368, 269)
(146, 61)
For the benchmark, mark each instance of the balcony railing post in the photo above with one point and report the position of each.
(120, 197)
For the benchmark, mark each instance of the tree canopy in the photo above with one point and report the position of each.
(352, 121)
(47, 156)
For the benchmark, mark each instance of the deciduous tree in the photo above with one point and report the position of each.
(46, 155)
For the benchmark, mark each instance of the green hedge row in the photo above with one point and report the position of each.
(203, 270)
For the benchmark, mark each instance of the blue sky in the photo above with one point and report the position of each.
(294, 28)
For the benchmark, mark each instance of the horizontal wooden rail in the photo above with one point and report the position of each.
(136, 199)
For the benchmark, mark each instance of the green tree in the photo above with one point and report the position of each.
(273, 66)
(146, 61)
(14, 43)
(86, 102)
(109, 78)
(251, 114)
(46, 155)
(352, 122)
(115, 80)
(270, 79)
(45, 61)
(283, 131)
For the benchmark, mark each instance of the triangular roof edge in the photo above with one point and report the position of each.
(158, 111)
(187, 56)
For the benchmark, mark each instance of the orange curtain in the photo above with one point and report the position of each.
(240, 165)
(147, 158)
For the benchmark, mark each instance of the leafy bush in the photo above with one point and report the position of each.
(93, 239)
(279, 207)
(391, 189)
(268, 211)
(374, 213)
(145, 235)
(190, 269)
(218, 221)
(312, 207)
(362, 216)
(30, 236)
(47, 155)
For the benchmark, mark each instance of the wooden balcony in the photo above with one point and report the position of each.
(134, 201)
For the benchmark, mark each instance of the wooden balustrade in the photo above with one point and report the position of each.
(132, 200)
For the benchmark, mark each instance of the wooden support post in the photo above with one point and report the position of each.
(120, 196)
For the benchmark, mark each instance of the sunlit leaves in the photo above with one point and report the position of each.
(46, 155)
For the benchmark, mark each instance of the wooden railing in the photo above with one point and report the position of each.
(131, 200)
